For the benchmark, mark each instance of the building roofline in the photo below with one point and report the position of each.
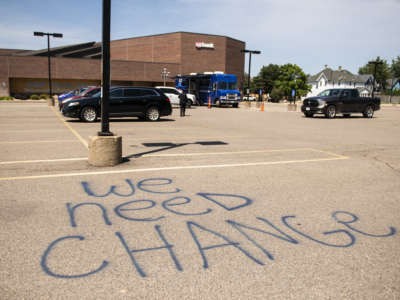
(186, 32)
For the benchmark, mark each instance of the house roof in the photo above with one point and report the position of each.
(339, 75)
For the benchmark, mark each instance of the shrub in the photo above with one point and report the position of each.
(34, 97)
(276, 95)
(44, 96)
(395, 92)
(6, 98)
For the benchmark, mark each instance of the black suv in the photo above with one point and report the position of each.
(142, 102)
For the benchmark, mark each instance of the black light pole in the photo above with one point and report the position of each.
(105, 87)
(375, 63)
(250, 52)
(56, 35)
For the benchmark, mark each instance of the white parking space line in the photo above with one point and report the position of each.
(83, 141)
(34, 142)
(227, 153)
(33, 130)
(172, 168)
(328, 153)
(177, 138)
(41, 161)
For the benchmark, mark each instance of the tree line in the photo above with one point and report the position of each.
(387, 75)
(279, 81)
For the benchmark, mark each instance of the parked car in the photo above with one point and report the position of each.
(142, 102)
(89, 92)
(340, 101)
(249, 98)
(70, 94)
(173, 94)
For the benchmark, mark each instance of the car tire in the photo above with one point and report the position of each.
(346, 115)
(308, 115)
(88, 114)
(368, 112)
(235, 105)
(152, 114)
(330, 112)
(218, 103)
(189, 104)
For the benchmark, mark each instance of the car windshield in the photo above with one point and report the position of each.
(90, 93)
(328, 93)
(79, 91)
(98, 94)
(227, 85)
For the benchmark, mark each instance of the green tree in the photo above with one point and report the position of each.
(382, 71)
(266, 78)
(292, 77)
(395, 68)
(276, 95)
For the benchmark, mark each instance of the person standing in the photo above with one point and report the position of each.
(182, 102)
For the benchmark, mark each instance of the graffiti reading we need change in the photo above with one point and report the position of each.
(176, 204)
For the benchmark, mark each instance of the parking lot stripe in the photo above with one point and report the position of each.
(177, 138)
(41, 160)
(172, 168)
(227, 153)
(70, 128)
(329, 153)
(33, 142)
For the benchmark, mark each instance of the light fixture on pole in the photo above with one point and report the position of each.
(56, 35)
(164, 75)
(250, 52)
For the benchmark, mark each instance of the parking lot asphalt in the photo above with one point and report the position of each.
(221, 204)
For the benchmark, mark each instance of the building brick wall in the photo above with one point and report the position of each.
(203, 59)
(134, 60)
(157, 48)
(4, 81)
(234, 58)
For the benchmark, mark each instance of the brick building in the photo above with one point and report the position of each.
(134, 61)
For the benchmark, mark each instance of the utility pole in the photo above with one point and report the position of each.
(375, 63)
(105, 55)
(56, 35)
(105, 149)
(250, 52)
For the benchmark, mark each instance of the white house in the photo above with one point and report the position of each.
(328, 78)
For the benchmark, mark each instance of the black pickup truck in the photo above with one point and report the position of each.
(340, 101)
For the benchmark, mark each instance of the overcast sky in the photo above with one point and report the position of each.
(309, 33)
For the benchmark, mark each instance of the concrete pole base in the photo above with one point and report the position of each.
(292, 107)
(50, 101)
(105, 151)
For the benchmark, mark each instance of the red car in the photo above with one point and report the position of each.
(89, 92)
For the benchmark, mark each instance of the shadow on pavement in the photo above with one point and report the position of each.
(167, 146)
